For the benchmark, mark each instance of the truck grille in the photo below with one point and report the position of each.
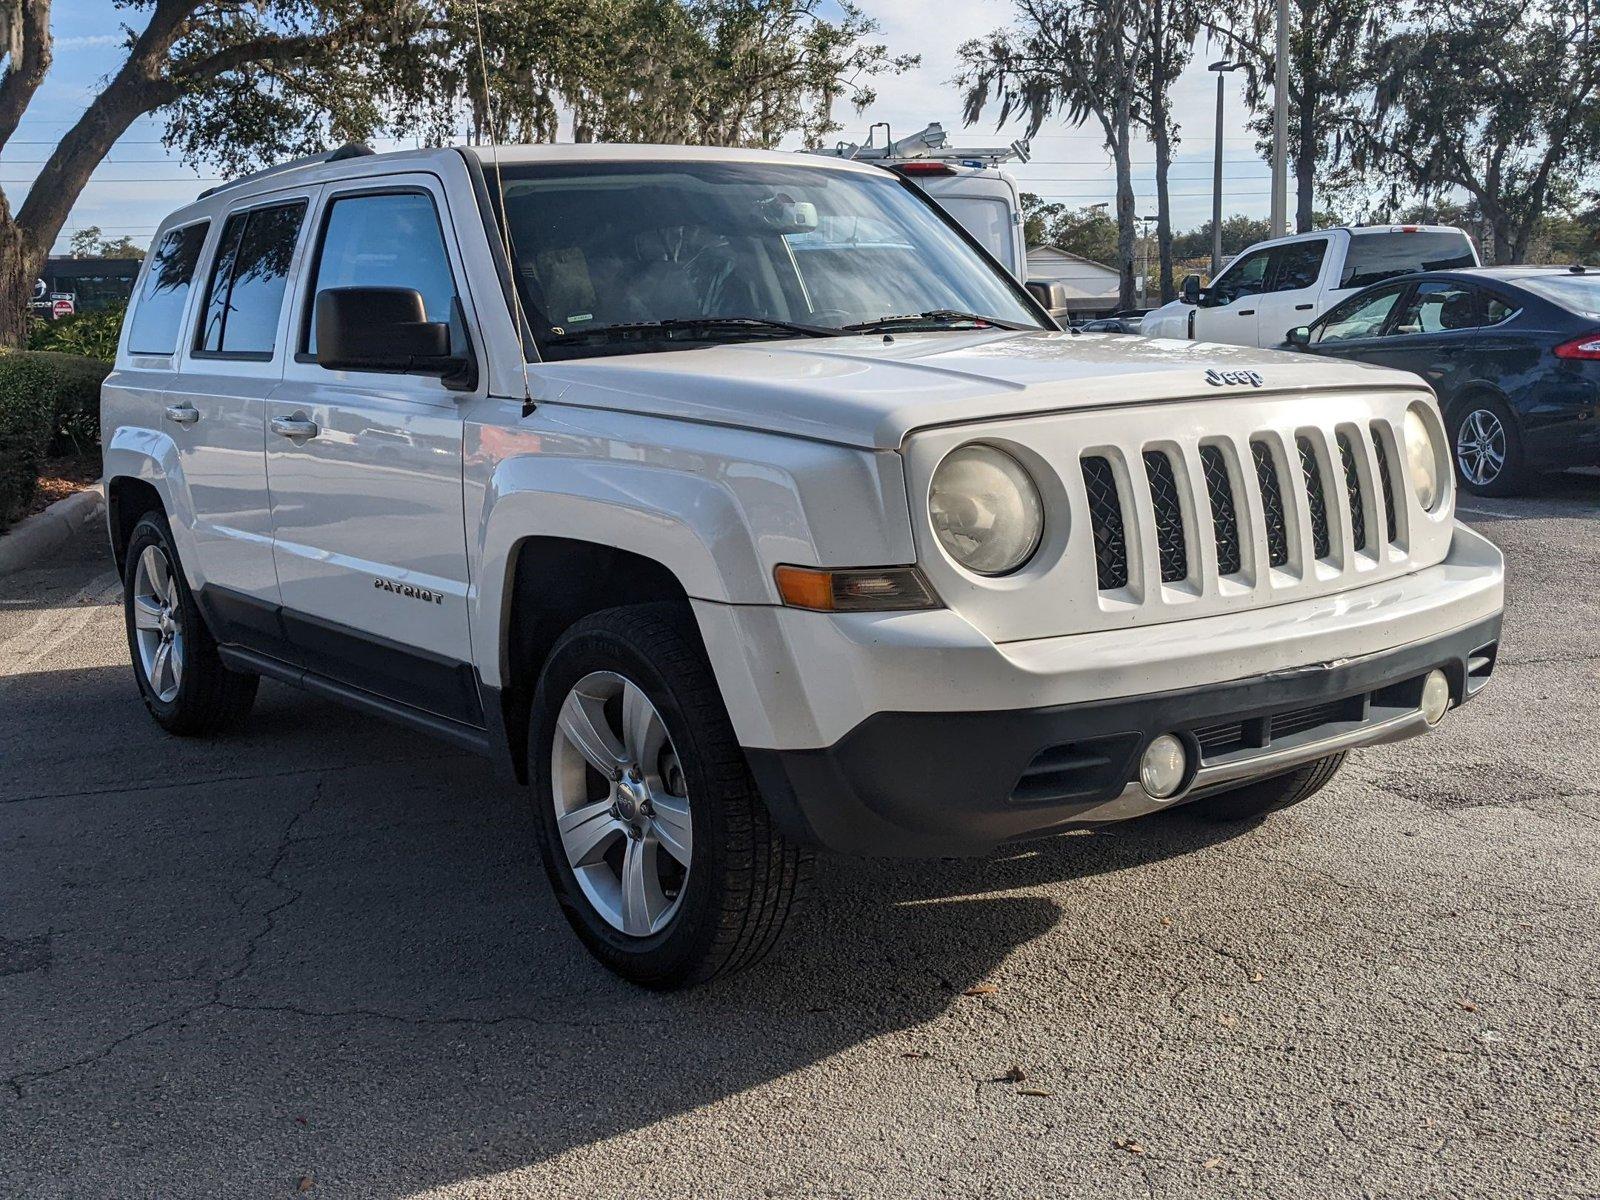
(1271, 504)
(1224, 517)
(1105, 515)
(1169, 516)
(1315, 497)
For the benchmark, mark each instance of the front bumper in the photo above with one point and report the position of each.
(946, 783)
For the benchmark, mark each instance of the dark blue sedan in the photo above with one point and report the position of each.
(1513, 353)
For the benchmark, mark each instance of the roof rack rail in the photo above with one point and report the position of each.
(928, 145)
(348, 150)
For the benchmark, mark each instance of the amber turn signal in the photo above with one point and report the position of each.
(875, 589)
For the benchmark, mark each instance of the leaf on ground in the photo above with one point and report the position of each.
(915, 1054)
(1227, 1020)
(1212, 1164)
(305, 1184)
(1034, 1091)
(1128, 1144)
(1467, 1006)
(1256, 977)
(981, 989)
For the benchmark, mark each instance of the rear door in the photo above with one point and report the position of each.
(365, 469)
(1438, 332)
(215, 410)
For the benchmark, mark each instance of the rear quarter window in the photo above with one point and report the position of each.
(158, 311)
(1374, 257)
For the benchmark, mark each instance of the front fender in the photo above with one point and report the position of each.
(717, 507)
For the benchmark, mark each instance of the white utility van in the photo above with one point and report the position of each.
(1276, 285)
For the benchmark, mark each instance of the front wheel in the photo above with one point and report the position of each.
(660, 850)
(1256, 800)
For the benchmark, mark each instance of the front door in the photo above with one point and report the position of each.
(365, 473)
(1229, 314)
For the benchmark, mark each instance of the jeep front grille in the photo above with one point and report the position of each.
(1320, 499)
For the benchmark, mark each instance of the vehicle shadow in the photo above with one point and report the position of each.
(320, 947)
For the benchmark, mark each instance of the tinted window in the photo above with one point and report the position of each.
(1580, 293)
(159, 309)
(1439, 307)
(1357, 317)
(245, 296)
(1375, 257)
(384, 241)
(1246, 277)
(1298, 265)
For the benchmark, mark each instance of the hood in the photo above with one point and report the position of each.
(869, 392)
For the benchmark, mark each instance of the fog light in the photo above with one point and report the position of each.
(1163, 767)
(1435, 697)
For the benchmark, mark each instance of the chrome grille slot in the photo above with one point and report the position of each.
(1224, 516)
(1316, 497)
(1386, 478)
(1105, 518)
(1170, 542)
(1273, 515)
(1352, 485)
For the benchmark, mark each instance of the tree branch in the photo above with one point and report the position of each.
(27, 69)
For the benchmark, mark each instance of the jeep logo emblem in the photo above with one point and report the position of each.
(1218, 378)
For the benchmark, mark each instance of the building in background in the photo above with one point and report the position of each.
(76, 285)
(1091, 286)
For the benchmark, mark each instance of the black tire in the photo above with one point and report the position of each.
(210, 698)
(1256, 800)
(744, 880)
(1514, 478)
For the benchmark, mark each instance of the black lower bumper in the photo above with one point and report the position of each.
(948, 783)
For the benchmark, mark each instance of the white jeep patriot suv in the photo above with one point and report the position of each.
(742, 505)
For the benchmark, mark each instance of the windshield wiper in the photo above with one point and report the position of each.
(938, 318)
(691, 326)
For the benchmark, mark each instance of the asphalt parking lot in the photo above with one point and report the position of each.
(317, 957)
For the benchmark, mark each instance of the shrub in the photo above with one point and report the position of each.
(46, 401)
(90, 334)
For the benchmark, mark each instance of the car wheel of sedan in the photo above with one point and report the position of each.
(1487, 448)
(660, 850)
(1256, 800)
(184, 683)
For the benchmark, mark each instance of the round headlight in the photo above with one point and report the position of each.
(985, 510)
(1422, 460)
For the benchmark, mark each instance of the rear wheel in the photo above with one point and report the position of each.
(1486, 446)
(180, 675)
(659, 848)
(1256, 800)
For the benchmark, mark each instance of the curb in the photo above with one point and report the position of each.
(34, 537)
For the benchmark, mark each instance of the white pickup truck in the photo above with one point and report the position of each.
(1274, 286)
(736, 504)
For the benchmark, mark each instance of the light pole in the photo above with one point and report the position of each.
(1280, 126)
(1144, 254)
(1221, 68)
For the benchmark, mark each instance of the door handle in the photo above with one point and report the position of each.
(294, 427)
(183, 414)
(1247, 312)
(1304, 307)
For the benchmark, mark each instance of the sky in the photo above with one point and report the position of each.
(141, 182)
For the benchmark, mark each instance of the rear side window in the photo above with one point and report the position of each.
(245, 295)
(159, 310)
(1437, 306)
(1298, 265)
(1375, 257)
(383, 240)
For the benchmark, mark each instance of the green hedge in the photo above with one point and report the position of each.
(49, 403)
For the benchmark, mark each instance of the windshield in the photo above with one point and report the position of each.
(732, 251)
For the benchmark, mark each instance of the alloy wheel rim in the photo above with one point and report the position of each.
(1481, 447)
(621, 804)
(158, 624)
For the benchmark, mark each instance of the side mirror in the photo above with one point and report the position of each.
(1190, 289)
(1051, 295)
(387, 329)
(1300, 335)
